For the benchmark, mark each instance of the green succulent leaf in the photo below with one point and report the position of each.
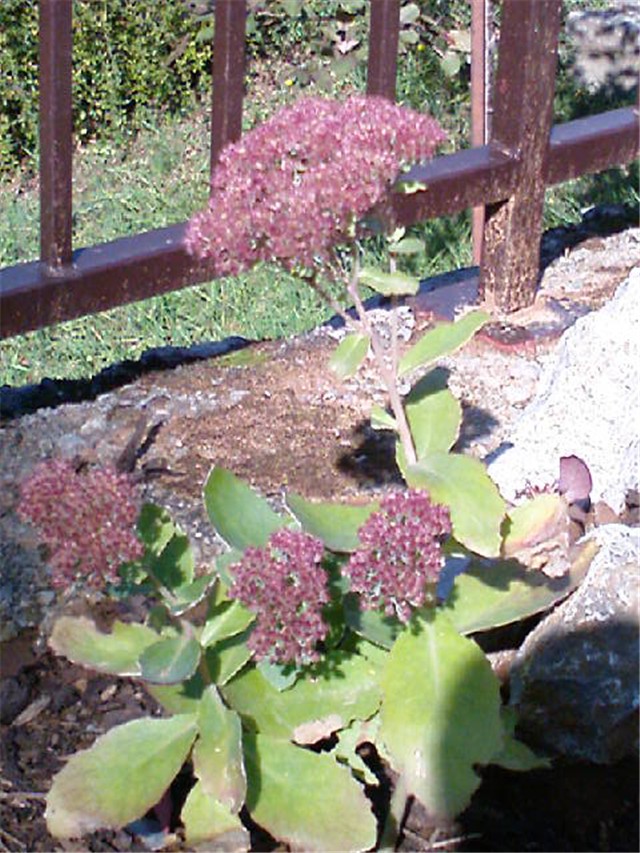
(433, 413)
(440, 714)
(373, 625)
(349, 355)
(189, 594)
(336, 524)
(171, 660)
(491, 593)
(174, 566)
(227, 620)
(207, 821)
(532, 521)
(280, 778)
(462, 483)
(381, 419)
(120, 777)
(443, 340)
(117, 653)
(343, 691)
(217, 755)
(407, 246)
(155, 527)
(240, 516)
(227, 657)
(389, 283)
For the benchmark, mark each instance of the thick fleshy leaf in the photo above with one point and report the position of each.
(117, 653)
(349, 355)
(407, 246)
(227, 657)
(188, 595)
(440, 714)
(443, 340)
(228, 619)
(490, 593)
(183, 698)
(174, 566)
(171, 660)
(373, 625)
(217, 755)
(381, 419)
(120, 777)
(240, 516)
(155, 527)
(462, 484)
(433, 413)
(336, 524)
(346, 691)
(389, 283)
(349, 740)
(281, 780)
(532, 522)
(207, 821)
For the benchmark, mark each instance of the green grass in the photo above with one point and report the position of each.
(162, 178)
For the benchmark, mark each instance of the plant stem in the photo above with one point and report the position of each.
(387, 374)
(395, 816)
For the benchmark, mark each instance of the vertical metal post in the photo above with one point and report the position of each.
(384, 32)
(228, 74)
(522, 120)
(55, 133)
(479, 91)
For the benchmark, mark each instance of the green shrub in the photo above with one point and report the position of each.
(128, 57)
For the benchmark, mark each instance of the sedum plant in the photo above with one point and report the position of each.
(329, 626)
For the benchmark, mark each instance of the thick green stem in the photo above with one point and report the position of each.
(395, 817)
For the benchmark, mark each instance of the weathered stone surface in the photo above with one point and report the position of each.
(575, 678)
(587, 405)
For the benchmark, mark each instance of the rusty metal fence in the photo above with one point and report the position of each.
(507, 176)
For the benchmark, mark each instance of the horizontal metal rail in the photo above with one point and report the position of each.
(138, 267)
(507, 176)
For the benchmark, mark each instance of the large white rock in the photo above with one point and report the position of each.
(587, 405)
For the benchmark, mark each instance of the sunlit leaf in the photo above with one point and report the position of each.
(280, 778)
(443, 340)
(389, 283)
(120, 777)
(117, 652)
(433, 413)
(349, 355)
(217, 755)
(240, 516)
(440, 714)
(462, 483)
(207, 821)
(170, 660)
(336, 524)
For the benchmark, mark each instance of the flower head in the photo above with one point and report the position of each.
(400, 553)
(86, 519)
(293, 187)
(286, 587)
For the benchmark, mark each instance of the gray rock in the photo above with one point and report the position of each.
(574, 681)
(587, 405)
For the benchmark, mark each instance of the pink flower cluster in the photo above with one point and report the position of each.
(400, 553)
(286, 587)
(86, 519)
(293, 187)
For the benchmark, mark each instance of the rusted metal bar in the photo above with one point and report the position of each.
(478, 106)
(384, 32)
(155, 262)
(228, 74)
(522, 120)
(592, 144)
(55, 133)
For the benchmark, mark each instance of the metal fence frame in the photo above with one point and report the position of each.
(507, 176)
